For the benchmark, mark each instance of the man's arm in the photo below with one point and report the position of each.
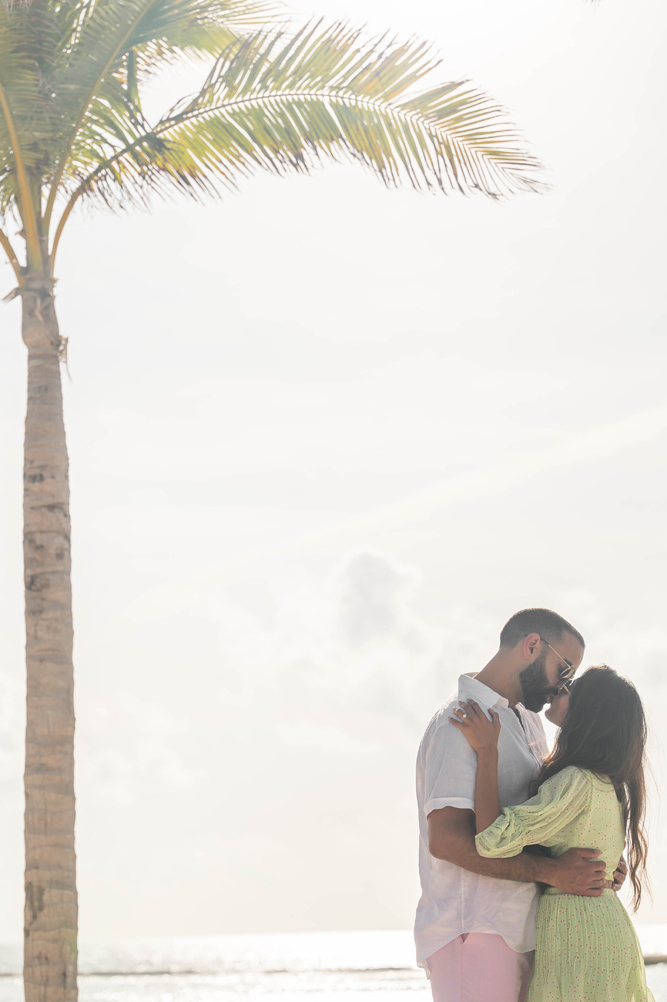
(451, 835)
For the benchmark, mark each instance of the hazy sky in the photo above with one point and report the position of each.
(325, 438)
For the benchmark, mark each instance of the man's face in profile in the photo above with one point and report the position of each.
(540, 680)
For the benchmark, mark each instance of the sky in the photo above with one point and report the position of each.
(325, 438)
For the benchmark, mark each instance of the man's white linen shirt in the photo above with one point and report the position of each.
(453, 900)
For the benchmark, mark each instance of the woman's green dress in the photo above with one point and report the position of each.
(587, 949)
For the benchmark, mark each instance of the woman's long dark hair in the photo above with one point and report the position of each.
(605, 731)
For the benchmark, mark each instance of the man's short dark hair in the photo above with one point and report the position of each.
(548, 624)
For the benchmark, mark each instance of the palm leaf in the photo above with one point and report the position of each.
(278, 103)
(63, 65)
(105, 39)
(20, 83)
(71, 77)
(24, 119)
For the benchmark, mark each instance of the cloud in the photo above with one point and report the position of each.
(373, 601)
(342, 658)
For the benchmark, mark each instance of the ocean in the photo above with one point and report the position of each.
(285, 967)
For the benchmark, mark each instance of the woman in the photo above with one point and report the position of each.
(590, 793)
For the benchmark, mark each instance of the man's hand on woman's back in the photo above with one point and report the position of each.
(577, 871)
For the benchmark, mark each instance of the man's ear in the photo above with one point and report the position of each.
(530, 646)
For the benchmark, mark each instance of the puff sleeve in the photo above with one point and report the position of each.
(557, 803)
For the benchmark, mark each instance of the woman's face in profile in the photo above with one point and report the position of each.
(557, 711)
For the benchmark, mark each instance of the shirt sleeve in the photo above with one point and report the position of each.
(450, 770)
(540, 820)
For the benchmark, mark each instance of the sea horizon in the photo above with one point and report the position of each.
(285, 967)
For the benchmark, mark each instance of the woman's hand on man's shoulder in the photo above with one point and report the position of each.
(481, 733)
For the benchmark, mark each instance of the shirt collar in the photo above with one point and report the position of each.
(481, 693)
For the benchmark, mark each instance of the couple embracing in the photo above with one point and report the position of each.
(521, 850)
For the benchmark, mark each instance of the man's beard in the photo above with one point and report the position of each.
(535, 684)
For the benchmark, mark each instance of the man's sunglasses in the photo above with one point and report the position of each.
(566, 671)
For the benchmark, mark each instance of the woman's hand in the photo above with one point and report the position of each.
(480, 732)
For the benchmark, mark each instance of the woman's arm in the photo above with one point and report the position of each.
(487, 802)
(482, 735)
(558, 803)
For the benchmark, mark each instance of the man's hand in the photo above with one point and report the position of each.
(578, 871)
(452, 838)
(620, 873)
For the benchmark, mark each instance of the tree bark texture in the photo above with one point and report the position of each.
(50, 930)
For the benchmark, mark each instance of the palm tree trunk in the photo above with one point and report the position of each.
(50, 933)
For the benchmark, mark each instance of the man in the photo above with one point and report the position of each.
(475, 924)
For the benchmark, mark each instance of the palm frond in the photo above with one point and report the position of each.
(197, 27)
(157, 30)
(6, 245)
(72, 125)
(109, 45)
(76, 67)
(23, 117)
(282, 103)
(21, 84)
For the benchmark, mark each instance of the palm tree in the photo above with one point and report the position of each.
(72, 128)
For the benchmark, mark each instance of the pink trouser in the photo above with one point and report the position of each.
(479, 967)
